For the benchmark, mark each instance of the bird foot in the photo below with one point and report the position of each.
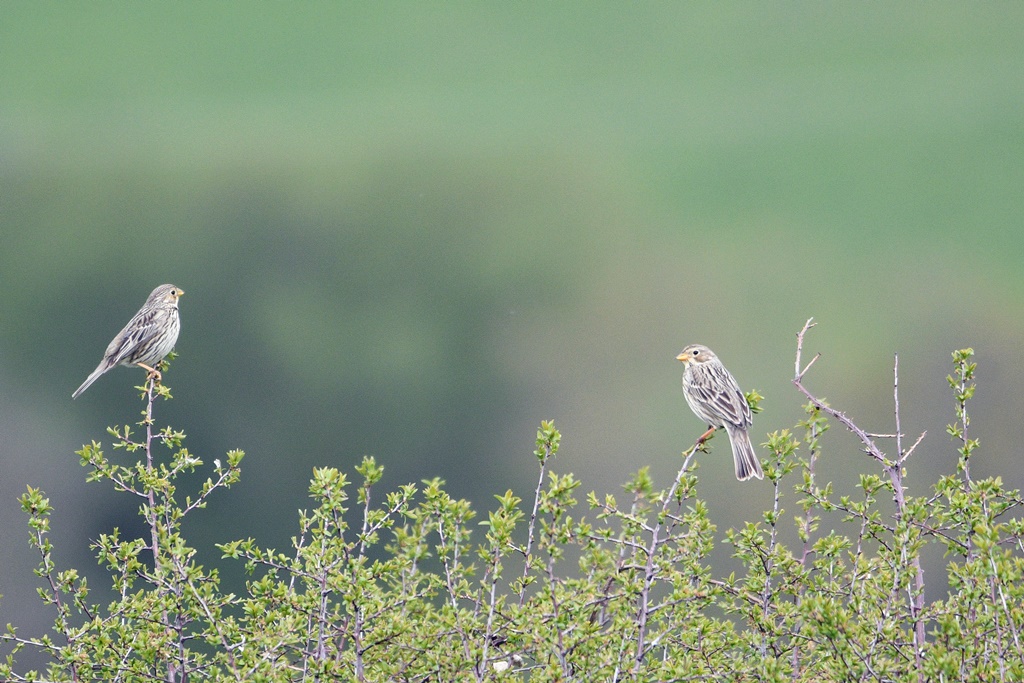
(706, 435)
(153, 372)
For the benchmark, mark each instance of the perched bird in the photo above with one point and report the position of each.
(146, 339)
(714, 396)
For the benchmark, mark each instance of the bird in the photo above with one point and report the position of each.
(715, 397)
(146, 339)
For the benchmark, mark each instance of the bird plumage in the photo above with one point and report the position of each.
(716, 398)
(147, 338)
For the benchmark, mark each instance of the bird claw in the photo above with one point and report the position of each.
(152, 374)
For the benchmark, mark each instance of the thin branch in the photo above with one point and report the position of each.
(533, 523)
(911, 449)
(869, 444)
(800, 348)
(894, 472)
(896, 405)
(644, 611)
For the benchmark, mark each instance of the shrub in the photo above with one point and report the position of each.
(405, 587)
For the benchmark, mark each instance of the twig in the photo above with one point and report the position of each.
(911, 449)
(896, 405)
(546, 455)
(800, 347)
(893, 470)
(644, 611)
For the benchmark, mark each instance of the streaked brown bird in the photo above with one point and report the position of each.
(146, 339)
(714, 396)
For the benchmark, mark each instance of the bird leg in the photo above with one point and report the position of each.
(704, 437)
(154, 373)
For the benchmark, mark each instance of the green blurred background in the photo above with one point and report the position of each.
(415, 230)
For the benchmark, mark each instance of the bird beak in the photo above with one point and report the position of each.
(683, 357)
(180, 292)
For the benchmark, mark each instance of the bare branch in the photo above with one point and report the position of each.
(893, 471)
(800, 346)
(911, 449)
(896, 405)
(869, 444)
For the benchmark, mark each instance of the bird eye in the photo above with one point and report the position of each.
(696, 352)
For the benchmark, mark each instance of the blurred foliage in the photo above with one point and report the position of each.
(413, 230)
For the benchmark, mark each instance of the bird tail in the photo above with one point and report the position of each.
(100, 369)
(743, 455)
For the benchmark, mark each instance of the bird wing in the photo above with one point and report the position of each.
(720, 393)
(138, 331)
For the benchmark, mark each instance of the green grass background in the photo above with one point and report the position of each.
(414, 230)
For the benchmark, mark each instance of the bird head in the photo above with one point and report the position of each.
(696, 353)
(166, 294)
